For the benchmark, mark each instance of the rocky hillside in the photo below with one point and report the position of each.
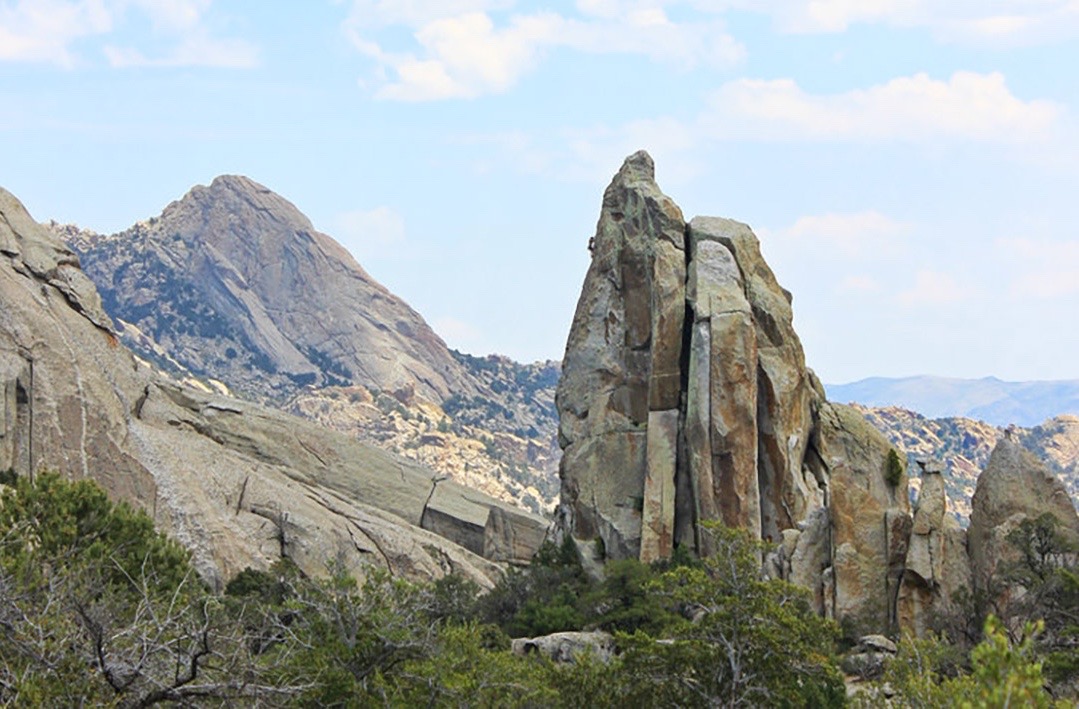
(234, 283)
(232, 288)
(987, 399)
(475, 440)
(240, 485)
(964, 446)
(685, 399)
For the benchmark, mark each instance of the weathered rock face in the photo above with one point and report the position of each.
(685, 398)
(964, 445)
(1015, 486)
(233, 282)
(618, 398)
(937, 566)
(870, 517)
(238, 484)
(721, 393)
(231, 288)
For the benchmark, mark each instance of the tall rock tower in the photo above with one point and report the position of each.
(685, 398)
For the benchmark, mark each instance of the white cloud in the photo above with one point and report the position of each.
(1041, 268)
(370, 233)
(468, 56)
(968, 106)
(933, 288)
(855, 235)
(991, 22)
(196, 49)
(44, 31)
(467, 48)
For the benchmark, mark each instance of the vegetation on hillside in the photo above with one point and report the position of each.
(96, 608)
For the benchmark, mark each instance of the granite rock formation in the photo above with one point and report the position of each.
(238, 484)
(937, 567)
(233, 281)
(964, 445)
(685, 398)
(232, 288)
(748, 438)
(1014, 487)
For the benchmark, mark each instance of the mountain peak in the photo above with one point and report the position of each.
(236, 280)
(239, 183)
(235, 206)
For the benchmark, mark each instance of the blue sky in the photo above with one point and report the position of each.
(910, 166)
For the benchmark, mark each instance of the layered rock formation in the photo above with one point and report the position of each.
(238, 484)
(685, 398)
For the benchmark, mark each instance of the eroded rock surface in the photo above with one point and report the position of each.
(234, 282)
(746, 438)
(937, 566)
(623, 369)
(232, 289)
(1014, 487)
(238, 484)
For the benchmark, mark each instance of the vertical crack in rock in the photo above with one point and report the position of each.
(685, 505)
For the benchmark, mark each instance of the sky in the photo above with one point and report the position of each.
(910, 166)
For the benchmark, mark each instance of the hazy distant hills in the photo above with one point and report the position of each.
(989, 399)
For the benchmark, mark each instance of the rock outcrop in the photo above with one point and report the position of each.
(232, 288)
(232, 281)
(567, 647)
(937, 566)
(238, 484)
(685, 398)
(1014, 487)
(964, 445)
(618, 398)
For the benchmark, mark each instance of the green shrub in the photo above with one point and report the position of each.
(893, 468)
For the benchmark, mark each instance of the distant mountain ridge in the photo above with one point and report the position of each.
(988, 399)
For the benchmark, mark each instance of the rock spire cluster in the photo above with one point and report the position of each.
(685, 398)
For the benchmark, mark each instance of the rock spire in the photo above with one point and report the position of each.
(685, 398)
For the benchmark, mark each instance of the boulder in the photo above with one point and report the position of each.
(1014, 487)
(568, 646)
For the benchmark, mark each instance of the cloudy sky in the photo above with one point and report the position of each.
(910, 165)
